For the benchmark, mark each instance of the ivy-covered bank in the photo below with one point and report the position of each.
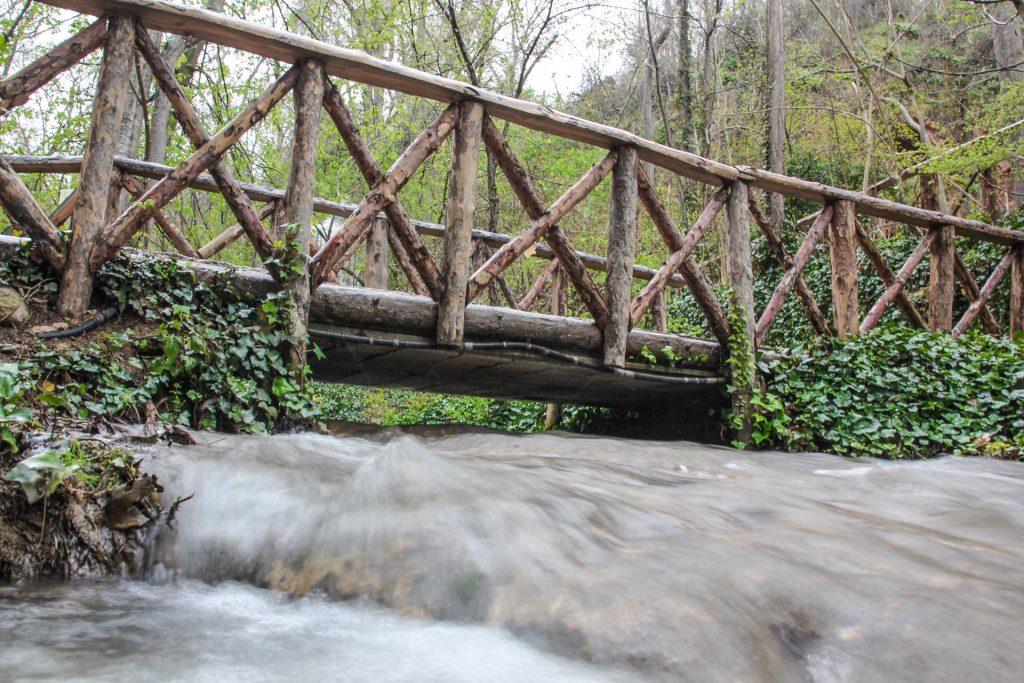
(896, 393)
(179, 352)
(195, 353)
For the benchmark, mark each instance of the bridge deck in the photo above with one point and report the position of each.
(384, 338)
(505, 373)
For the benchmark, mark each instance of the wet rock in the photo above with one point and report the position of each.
(55, 327)
(13, 311)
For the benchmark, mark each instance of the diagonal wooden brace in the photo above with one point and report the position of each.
(116, 234)
(699, 285)
(237, 200)
(383, 193)
(568, 259)
(538, 286)
(64, 210)
(229, 235)
(170, 230)
(23, 208)
(969, 316)
(15, 90)
(677, 258)
(414, 250)
(509, 252)
(901, 280)
(792, 275)
(888, 277)
(818, 321)
(970, 289)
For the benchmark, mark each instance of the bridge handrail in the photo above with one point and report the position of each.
(354, 65)
(60, 164)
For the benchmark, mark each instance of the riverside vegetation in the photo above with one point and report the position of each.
(200, 355)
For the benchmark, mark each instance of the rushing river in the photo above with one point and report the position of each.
(485, 557)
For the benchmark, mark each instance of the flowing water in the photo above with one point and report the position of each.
(488, 557)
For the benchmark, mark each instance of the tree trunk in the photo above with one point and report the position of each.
(776, 107)
(458, 236)
(621, 246)
(742, 343)
(298, 204)
(684, 94)
(1008, 49)
(97, 172)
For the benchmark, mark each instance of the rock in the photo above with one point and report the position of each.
(13, 311)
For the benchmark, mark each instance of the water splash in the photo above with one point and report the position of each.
(675, 561)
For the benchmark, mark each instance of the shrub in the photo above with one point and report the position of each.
(898, 393)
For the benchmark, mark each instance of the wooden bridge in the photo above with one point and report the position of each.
(434, 336)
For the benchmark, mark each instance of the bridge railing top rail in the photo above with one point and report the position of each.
(358, 66)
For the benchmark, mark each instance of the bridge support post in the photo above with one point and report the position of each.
(297, 212)
(621, 247)
(98, 176)
(659, 312)
(941, 279)
(458, 235)
(842, 237)
(1017, 294)
(375, 269)
(742, 321)
(559, 307)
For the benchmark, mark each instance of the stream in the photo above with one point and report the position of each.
(448, 555)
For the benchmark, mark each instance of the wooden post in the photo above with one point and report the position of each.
(375, 268)
(458, 236)
(298, 204)
(16, 89)
(941, 281)
(1017, 294)
(621, 246)
(742, 346)
(23, 208)
(559, 306)
(98, 172)
(843, 243)
(659, 312)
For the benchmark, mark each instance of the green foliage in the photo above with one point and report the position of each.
(203, 354)
(93, 466)
(41, 474)
(11, 414)
(898, 393)
(395, 407)
(740, 364)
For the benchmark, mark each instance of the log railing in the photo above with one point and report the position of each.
(472, 261)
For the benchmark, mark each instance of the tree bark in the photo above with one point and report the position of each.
(97, 167)
(685, 86)
(743, 342)
(621, 246)
(776, 108)
(559, 301)
(26, 212)
(298, 206)
(843, 243)
(508, 253)
(1017, 294)
(15, 90)
(793, 274)
(120, 231)
(458, 236)
(902, 277)
(941, 280)
(375, 267)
